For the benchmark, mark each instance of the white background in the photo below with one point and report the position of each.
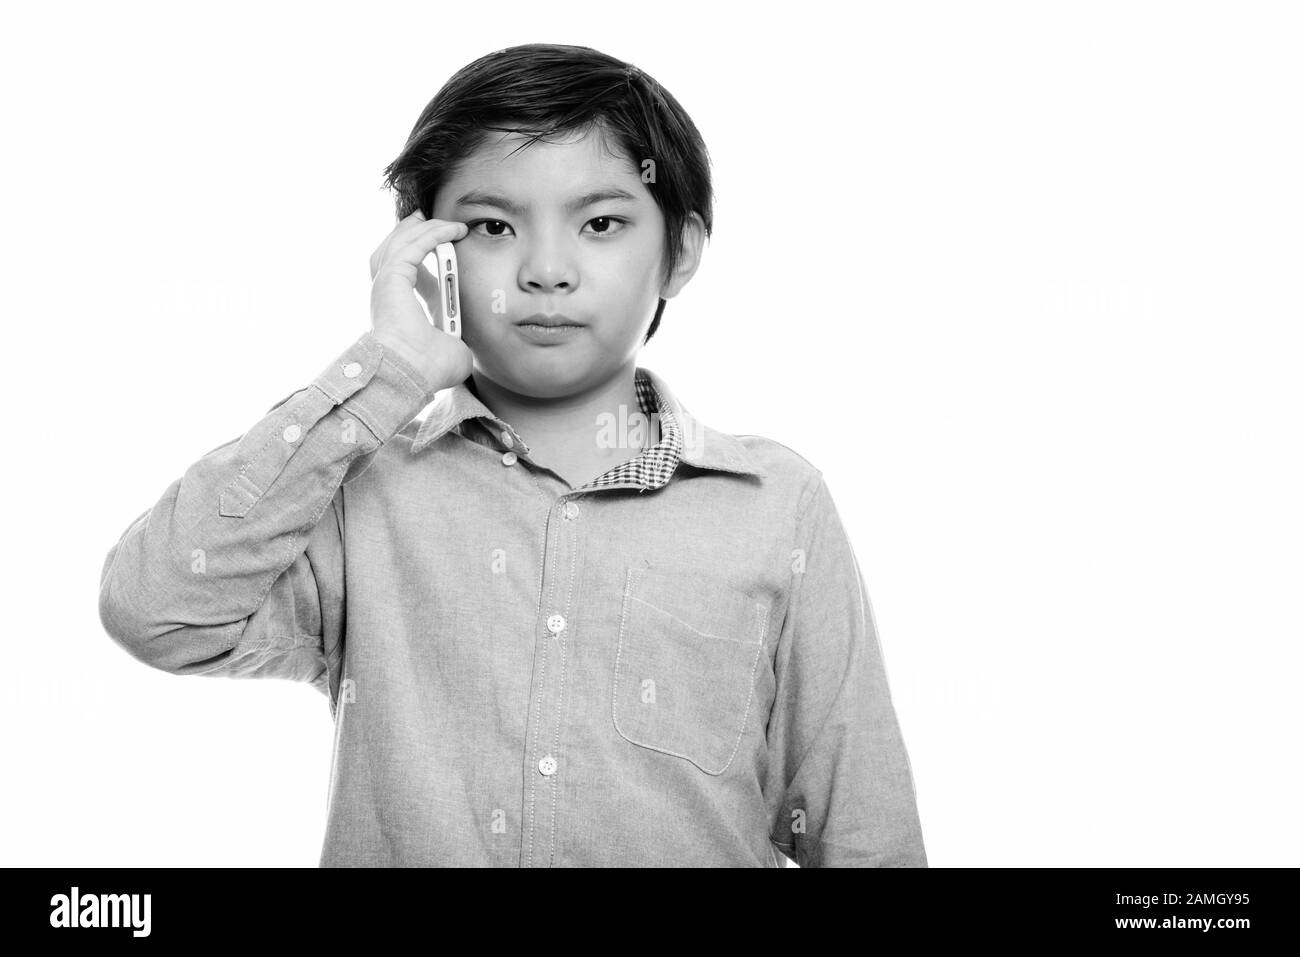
(1020, 279)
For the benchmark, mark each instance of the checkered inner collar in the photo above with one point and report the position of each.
(654, 466)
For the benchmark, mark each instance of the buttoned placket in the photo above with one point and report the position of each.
(544, 758)
(544, 771)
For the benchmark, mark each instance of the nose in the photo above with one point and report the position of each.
(548, 266)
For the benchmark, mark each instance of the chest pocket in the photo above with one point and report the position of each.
(688, 651)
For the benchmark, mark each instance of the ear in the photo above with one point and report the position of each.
(693, 236)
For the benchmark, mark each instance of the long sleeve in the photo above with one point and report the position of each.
(840, 791)
(238, 567)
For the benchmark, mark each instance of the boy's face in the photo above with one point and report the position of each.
(539, 242)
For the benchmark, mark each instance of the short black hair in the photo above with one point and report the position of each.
(546, 88)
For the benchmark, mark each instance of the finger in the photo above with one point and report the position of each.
(420, 245)
(412, 226)
(414, 221)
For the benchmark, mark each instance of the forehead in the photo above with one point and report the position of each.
(555, 165)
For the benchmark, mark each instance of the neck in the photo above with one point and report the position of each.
(565, 429)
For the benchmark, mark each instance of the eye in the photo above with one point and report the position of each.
(609, 222)
(492, 224)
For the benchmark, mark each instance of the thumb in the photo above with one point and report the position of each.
(426, 284)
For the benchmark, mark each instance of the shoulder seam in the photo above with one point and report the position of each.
(815, 482)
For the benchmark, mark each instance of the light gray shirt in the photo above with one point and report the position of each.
(521, 673)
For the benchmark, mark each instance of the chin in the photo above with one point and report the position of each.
(544, 379)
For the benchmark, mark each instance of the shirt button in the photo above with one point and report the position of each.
(292, 434)
(352, 370)
(509, 458)
(506, 439)
(547, 765)
(555, 624)
(570, 510)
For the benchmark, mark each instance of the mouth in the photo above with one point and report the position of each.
(553, 320)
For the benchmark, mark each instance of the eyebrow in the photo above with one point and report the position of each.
(479, 198)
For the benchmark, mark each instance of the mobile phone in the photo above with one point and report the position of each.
(445, 314)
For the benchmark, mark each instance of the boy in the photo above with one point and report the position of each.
(540, 647)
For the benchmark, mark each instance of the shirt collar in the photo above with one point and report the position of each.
(702, 447)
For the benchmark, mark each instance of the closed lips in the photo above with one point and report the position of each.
(553, 320)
